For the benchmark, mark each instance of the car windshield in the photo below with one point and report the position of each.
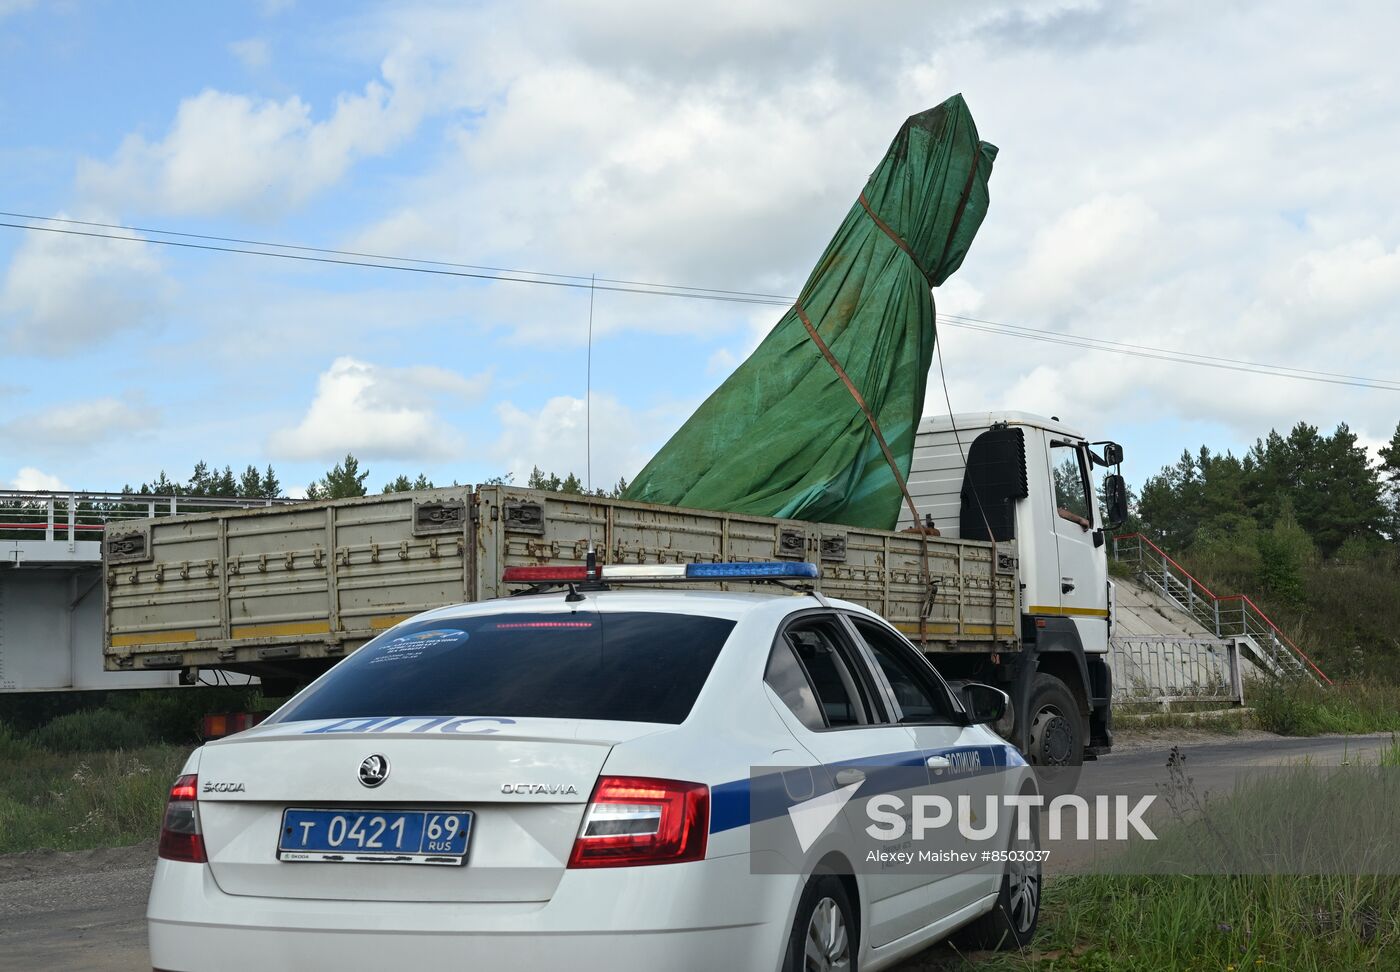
(633, 666)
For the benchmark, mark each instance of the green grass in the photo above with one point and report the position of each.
(1322, 821)
(73, 801)
(1287, 708)
(1273, 923)
(1226, 723)
(1304, 709)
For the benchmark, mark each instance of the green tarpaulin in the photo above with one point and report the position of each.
(784, 436)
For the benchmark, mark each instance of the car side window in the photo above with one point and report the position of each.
(786, 677)
(815, 647)
(920, 695)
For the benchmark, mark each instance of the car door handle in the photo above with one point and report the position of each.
(938, 762)
(846, 777)
(1066, 585)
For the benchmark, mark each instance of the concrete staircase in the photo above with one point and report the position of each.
(1233, 616)
(1161, 654)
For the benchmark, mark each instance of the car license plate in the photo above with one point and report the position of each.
(375, 836)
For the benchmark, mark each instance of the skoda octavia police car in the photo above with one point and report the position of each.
(580, 779)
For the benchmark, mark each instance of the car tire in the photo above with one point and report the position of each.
(825, 936)
(1013, 919)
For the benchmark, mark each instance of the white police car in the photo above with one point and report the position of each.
(582, 779)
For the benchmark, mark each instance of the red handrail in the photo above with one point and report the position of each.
(1229, 597)
(1168, 559)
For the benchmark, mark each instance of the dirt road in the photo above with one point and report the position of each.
(83, 911)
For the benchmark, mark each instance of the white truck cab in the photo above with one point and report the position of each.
(1014, 477)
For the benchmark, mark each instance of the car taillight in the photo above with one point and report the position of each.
(180, 839)
(636, 820)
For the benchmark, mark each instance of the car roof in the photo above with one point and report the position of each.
(681, 600)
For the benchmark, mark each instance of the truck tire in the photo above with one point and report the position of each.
(1055, 730)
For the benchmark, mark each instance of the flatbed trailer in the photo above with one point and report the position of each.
(283, 591)
(1012, 590)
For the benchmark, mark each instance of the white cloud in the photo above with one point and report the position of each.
(254, 53)
(1351, 278)
(33, 480)
(555, 437)
(1084, 252)
(229, 152)
(62, 293)
(81, 423)
(379, 412)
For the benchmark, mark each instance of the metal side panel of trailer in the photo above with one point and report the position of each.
(279, 586)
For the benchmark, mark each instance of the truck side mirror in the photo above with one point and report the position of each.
(1112, 454)
(1115, 491)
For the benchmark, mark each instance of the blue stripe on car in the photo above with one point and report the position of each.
(765, 795)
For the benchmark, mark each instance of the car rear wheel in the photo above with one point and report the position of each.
(824, 935)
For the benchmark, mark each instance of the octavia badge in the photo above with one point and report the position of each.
(374, 770)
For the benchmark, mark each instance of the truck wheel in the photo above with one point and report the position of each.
(1054, 727)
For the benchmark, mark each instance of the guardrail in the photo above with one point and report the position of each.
(71, 515)
(1165, 669)
(1228, 616)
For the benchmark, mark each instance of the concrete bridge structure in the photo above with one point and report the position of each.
(51, 627)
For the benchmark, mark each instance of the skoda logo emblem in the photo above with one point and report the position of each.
(374, 770)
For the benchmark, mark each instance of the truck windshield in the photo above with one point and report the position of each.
(633, 667)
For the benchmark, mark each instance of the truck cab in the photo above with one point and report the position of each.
(1026, 480)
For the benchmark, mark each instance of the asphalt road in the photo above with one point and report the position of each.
(83, 911)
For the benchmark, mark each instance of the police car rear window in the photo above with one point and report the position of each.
(634, 667)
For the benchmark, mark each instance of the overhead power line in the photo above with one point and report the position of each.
(354, 258)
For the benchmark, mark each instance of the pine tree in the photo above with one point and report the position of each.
(199, 480)
(224, 483)
(251, 482)
(345, 480)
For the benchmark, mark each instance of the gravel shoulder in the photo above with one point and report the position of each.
(1127, 739)
(76, 910)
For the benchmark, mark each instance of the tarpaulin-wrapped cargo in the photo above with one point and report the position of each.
(816, 422)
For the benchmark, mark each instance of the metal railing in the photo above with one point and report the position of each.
(1166, 669)
(1227, 616)
(79, 514)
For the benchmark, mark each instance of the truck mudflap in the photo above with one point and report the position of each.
(1100, 707)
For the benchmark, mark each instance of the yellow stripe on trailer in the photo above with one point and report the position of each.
(1068, 612)
(944, 628)
(281, 629)
(387, 621)
(153, 638)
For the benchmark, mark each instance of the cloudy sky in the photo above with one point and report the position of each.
(1215, 178)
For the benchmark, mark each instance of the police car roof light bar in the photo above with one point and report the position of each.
(661, 573)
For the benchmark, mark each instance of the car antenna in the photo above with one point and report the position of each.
(592, 572)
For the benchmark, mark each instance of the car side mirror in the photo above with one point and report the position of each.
(984, 703)
(1115, 491)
